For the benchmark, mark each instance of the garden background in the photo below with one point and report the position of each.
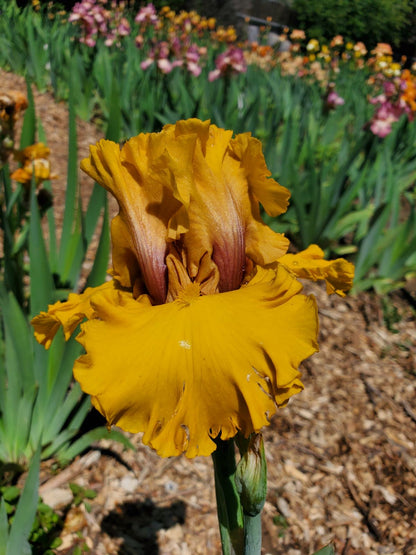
(335, 115)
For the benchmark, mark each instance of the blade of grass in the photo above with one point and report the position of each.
(100, 266)
(41, 281)
(25, 512)
(28, 135)
(69, 237)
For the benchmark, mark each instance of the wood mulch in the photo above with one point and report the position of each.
(341, 455)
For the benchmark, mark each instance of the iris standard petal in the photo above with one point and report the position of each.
(273, 196)
(146, 203)
(214, 192)
(310, 264)
(186, 371)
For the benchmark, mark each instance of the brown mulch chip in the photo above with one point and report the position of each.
(341, 455)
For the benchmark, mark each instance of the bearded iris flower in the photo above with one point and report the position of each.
(203, 326)
(35, 160)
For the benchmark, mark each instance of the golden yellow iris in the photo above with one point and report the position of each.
(202, 328)
(35, 159)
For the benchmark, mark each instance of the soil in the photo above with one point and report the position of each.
(341, 456)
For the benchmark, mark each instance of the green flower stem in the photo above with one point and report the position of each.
(241, 493)
(252, 534)
(230, 513)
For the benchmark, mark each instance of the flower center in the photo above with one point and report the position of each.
(190, 293)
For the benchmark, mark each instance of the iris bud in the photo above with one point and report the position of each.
(251, 474)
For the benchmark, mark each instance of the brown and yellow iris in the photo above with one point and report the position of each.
(203, 326)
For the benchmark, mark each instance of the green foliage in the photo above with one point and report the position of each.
(370, 21)
(43, 536)
(16, 529)
(81, 494)
(41, 409)
(348, 187)
(45, 531)
(34, 383)
(327, 550)
(46, 525)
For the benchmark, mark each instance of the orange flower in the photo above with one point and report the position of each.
(297, 34)
(409, 93)
(11, 104)
(337, 41)
(382, 49)
(360, 49)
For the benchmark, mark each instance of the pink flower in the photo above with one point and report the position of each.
(380, 99)
(89, 41)
(147, 14)
(229, 62)
(194, 69)
(389, 88)
(333, 100)
(385, 116)
(95, 21)
(214, 74)
(147, 63)
(381, 126)
(192, 57)
(164, 65)
(123, 28)
(390, 107)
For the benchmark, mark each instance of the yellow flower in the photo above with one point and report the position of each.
(360, 49)
(34, 159)
(312, 46)
(201, 331)
(310, 264)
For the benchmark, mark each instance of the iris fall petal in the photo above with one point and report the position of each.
(228, 360)
(67, 314)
